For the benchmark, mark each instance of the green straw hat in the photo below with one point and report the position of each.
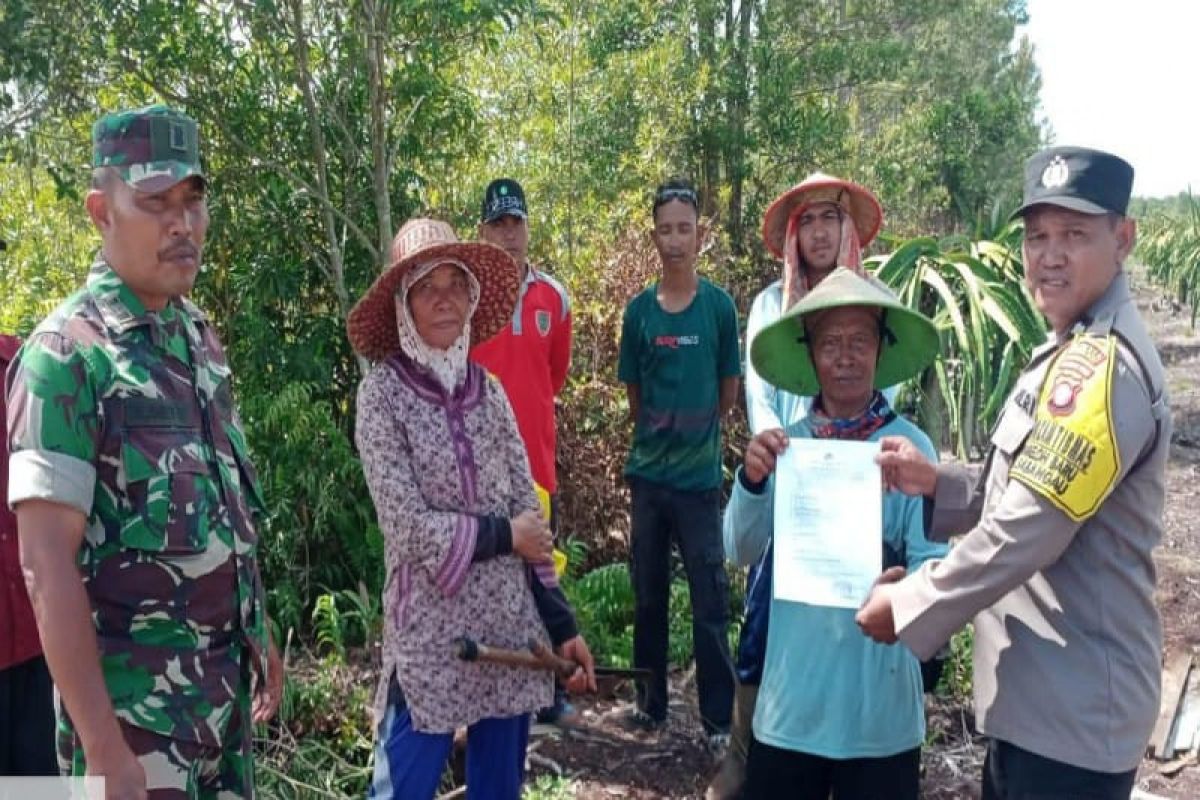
(780, 351)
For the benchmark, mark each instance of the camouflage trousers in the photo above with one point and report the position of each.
(178, 769)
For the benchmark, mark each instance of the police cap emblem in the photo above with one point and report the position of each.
(1055, 174)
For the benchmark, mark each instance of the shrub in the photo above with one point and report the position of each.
(1170, 248)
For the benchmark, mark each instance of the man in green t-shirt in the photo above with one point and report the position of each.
(680, 363)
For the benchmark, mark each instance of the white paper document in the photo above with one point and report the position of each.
(828, 522)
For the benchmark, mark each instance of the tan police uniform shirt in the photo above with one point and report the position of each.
(1056, 567)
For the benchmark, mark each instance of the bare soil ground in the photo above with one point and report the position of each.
(606, 761)
(1178, 556)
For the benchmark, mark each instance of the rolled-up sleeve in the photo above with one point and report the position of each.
(53, 424)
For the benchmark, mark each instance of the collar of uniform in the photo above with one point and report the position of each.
(192, 310)
(119, 306)
(1105, 308)
(1052, 342)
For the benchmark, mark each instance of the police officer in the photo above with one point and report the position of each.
(135, 497)
(1055, 566)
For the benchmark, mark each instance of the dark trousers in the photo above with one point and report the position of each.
(692, 520)
(1010, 773)
(772, 772)
(27, 720)
(551, 712)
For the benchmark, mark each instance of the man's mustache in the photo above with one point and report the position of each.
(181, 250)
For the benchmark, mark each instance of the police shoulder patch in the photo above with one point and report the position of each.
(1071, 456)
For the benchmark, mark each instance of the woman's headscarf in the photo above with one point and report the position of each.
(448, 366)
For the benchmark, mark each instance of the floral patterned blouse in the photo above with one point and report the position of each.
(435, 464)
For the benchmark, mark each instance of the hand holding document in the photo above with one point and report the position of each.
(828, 522)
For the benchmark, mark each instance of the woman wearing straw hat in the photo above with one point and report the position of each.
(833, 714)
(467, 553)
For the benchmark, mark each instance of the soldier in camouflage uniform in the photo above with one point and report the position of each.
(135, 496)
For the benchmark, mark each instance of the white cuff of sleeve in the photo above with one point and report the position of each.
(44, 475)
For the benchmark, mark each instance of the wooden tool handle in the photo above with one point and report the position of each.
(538, 656)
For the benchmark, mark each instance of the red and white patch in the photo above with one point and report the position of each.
(1062, 399)
(1076, 366)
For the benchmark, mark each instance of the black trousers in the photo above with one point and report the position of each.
(692, 520)
(774, 773)
(1010, 773)
(27, 720)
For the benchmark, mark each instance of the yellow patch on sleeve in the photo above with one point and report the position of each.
(560, 558)
(543, 500)
(1071, 457)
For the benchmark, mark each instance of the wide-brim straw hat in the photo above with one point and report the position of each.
(780, 352)
(371, 324)
(863, 206)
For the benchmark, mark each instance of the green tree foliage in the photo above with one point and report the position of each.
(46, 236)
(327, 123)
(321, 123)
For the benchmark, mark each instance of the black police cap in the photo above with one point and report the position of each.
(1079, 179)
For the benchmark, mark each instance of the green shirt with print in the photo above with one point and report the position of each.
(678, 361)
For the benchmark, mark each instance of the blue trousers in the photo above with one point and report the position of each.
(409, 764)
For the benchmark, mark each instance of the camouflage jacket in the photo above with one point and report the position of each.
(128, 416)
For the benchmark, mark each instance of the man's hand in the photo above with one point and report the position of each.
(761, 453)
(269, 693)
(875, 617)
(124, 778)
(49, 535)
(905, 468)
(584, 679)
(531, 537)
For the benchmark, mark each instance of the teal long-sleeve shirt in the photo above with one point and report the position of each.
(827, 689)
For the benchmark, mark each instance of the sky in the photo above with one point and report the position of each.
(1124, 77)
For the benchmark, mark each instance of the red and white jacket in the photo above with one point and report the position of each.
(530, 358)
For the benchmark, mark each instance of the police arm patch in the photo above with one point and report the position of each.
(1071, 456)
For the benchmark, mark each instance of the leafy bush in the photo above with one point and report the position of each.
(347, 618)
(974, 292)
(321, 743)
(1170, 248)
(549, 787)
(957, 675)
(604, 609)
(321, 533)
(603, 603)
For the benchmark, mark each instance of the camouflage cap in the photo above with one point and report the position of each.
(152, 148)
